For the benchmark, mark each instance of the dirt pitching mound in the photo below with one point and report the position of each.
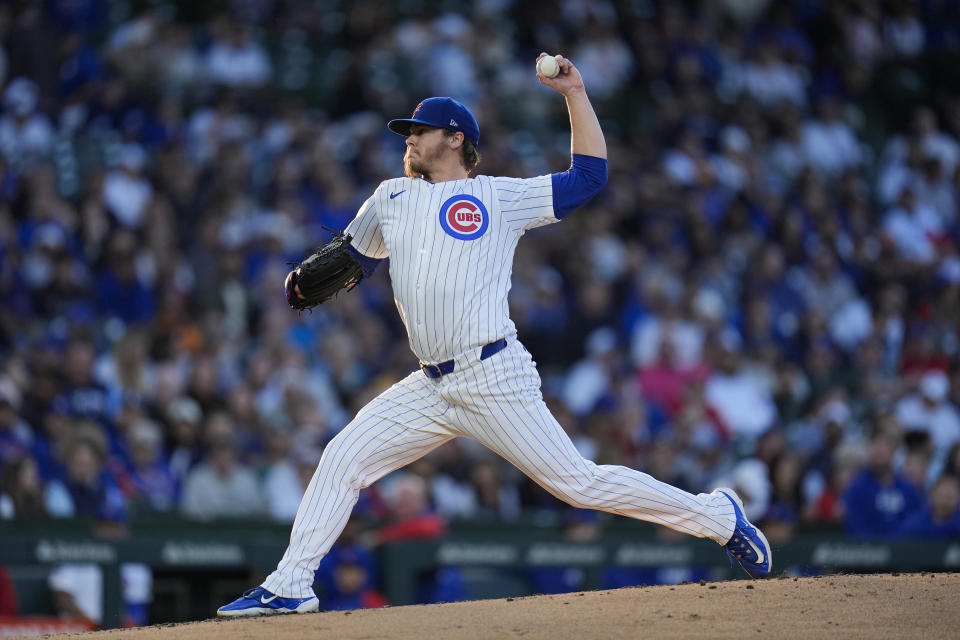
(838, 606)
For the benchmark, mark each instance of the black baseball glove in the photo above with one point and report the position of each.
(323, 274)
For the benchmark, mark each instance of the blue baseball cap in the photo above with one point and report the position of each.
(445, 113)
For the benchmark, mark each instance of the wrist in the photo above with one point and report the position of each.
(575, 92)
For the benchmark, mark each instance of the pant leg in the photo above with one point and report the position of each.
(498, 402)
(397, 427)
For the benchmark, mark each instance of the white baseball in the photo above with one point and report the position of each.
(548, 66)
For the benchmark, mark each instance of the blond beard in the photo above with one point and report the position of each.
(421, 166)
(412, 169)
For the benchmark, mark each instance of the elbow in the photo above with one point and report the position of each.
(592, 173)
(595, 181)
(583, 180)
(600, 180)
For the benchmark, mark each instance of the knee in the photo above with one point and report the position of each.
(578, 500)
(576, 490)
(574, 494)
(340, 465)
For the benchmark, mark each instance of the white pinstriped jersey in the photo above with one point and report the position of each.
(451, 248)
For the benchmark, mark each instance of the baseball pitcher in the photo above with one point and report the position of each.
(450, 238)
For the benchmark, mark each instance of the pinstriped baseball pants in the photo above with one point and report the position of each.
(497, 402)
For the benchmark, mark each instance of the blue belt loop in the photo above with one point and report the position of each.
(442, 369)
(493, 348)
(438, 370)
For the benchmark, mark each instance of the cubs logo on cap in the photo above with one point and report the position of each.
(464, 217)
(445, 113)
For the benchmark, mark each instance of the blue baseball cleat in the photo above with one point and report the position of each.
(748, 545)
(260, 602)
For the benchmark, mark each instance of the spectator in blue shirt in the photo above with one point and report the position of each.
(121, 291)
(941, 517)
(85, 397)
(880, 500)
(348, 576)
(156, 489)
(88, 491)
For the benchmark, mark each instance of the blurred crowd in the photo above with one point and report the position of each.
(766, 294)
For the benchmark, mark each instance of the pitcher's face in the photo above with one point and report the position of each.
(426, 147)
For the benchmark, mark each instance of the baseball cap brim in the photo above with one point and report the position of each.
(402, 125)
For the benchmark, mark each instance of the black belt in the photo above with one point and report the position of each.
(442, 369)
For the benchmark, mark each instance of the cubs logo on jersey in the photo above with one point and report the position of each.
(464, 217)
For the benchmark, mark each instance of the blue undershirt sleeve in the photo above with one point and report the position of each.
(573, 187)
(369, 264)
